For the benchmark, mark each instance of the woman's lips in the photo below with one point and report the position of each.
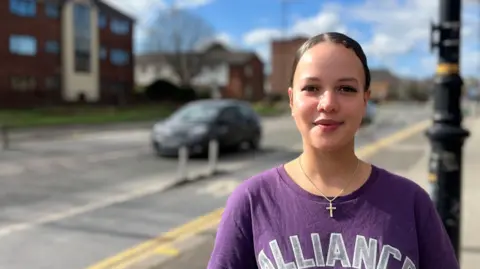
(327, 124)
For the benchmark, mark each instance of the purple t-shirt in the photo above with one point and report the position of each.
(390, 222)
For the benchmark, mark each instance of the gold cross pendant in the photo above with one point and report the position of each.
(331, 208)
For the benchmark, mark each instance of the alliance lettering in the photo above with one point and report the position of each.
(364, 256)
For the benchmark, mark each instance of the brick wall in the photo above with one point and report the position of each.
(41, 66)
(111, 76)
(283, 52)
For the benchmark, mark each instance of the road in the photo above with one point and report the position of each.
(74, 202)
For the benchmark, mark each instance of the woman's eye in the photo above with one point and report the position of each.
(310, 88)
(348, 89)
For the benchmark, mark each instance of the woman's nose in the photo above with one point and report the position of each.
(327, 101)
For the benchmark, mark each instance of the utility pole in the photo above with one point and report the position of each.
(447, 135)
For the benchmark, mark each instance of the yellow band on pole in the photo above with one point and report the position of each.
(432, 177)
(447, 69)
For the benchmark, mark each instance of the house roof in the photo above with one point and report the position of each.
(382, 74)
(213, 54)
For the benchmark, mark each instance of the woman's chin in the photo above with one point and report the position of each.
(328, 144)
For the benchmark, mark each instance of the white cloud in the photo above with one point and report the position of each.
(144, 11)
(139, 8)
(225, 38)
(325, 20)
(192, 3)
(470, 62)
(398, 27)
(261, 36)
(136, 8)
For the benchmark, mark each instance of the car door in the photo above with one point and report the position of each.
(251, 125)
(229, 126)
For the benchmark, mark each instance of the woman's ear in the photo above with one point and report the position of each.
(366, 96)
(290, 99)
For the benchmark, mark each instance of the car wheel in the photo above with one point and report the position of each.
(156, 149)
(254, 142)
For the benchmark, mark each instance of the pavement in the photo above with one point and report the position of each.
(407, 156)
(94, 198)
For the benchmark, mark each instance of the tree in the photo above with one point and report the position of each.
(178, 35)
(417, 92)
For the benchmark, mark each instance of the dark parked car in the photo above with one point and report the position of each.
(370, 113)
(231, 122)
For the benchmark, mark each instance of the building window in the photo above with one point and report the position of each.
(248, 71)
(23, 83)
(24, 8)
(52, 47)
(119, 27)
(103, 53)
(82, 30)
(52, 83)
(102, 20)
(248, 92)
(118, 87)
(23, 45)
(52, 10)
(119, 57)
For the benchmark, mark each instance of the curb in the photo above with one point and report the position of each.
(67, 131)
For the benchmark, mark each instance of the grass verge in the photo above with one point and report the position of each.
(91, 115)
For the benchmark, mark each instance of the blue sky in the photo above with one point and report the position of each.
(394, 33)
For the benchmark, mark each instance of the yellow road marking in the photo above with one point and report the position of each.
(162, 244)
(149, 245)
(199, 227)
(372, 148)
(167, 251)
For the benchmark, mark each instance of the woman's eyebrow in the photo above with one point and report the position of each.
(348, 79)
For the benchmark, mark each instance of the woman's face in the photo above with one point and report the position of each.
(327, 97)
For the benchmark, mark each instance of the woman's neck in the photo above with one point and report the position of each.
(330, 169)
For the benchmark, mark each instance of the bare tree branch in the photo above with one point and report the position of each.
(178, 34)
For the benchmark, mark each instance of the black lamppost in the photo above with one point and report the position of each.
(446, 135)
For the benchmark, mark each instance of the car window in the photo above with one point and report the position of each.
(230, 114)
(247, 112)
(196, 112)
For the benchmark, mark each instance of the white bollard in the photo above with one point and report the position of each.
(212, 157)
(182, 163)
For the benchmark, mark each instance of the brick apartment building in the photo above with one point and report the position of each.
(283, 53)
(237, 74)
(56, 51)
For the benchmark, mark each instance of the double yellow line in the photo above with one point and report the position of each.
(163, 245)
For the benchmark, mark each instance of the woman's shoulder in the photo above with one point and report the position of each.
(401, 185)
(254, 188)
(259, 182)
(396, 180)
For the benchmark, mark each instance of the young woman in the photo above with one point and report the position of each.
(327, 208)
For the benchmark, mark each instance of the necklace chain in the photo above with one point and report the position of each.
(330, 208)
